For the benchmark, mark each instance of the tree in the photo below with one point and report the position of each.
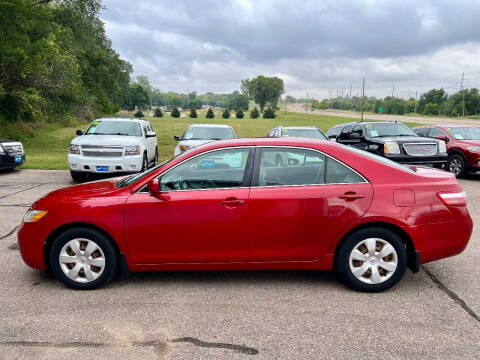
(158, 112)
(139, 114)
(226, 114)
(136, 96)
(237, 102)
(431, 109)
(239, 114)
(263, 90)
(193, 113)
(269, 114)
(175, 113)
(254, 113)
(434, 96)
(290, 99)
(210, 114)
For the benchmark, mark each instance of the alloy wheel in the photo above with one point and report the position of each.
(82, 260)
(456, 165)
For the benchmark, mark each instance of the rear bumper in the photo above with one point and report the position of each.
(8, 161)
(78, 163)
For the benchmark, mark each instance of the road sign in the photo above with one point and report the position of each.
(380, 109)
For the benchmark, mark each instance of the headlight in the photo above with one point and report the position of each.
(442, 147)
(474, 149)
(1, 150)
(34, 215)
(391, 147)
(74, 149)
(132, 150)
(184, 147)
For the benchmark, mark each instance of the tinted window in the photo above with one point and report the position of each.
(337, 173)
(345, 132)
(127, 128)
(281, 166)
(208, 133)
(421, 131)
(358, 130)
(215, 169)
(436, 132)
(304, 133)
(333, 132)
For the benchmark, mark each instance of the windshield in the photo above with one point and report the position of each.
(465, 133)
(134, 178)
(304, 133)
(388, 129)
(114, 128)
(208, 133)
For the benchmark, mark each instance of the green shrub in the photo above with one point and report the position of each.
(226, 114)
(210, 114)
(269, 114)
(193, 113)
(139, 114)
(175, 113)
(239, 114)
(254, 113)
(431, 109)
(158, 112)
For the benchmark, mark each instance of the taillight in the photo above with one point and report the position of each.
(453, 198)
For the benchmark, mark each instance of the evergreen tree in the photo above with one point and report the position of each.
(226, 114)
(210, 114)
(254, 113)
(269, 114)
(138, 114)
(175, 113)
(158, 112)
(239, 114)
(193, 113)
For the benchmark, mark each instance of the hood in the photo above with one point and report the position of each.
(469, 142)
(7, 141)
(193, 143)
(404, 139)
(122, 140)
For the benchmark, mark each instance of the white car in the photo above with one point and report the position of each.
(198, 134)
(113, 145)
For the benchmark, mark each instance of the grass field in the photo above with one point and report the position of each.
(49, 148)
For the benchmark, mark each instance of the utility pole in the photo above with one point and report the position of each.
(463, 96)
(350, 91)
(393, 89)
(416, 99)
(363, 97)
(285, 105)
(306, 105)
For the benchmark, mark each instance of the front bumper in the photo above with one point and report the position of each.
(79, 163)
(9, 160)
(418, 160)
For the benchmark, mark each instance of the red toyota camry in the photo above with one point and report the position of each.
(251, 204)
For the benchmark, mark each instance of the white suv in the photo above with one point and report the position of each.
(198, 134)
(113, 145)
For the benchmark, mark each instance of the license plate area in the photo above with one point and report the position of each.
(102, 168)
(18, 158)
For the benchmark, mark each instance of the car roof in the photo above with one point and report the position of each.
(298, 127)
(446, 126)
(210, 125)
(120, 119)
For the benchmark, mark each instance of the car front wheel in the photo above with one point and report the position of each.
(371, 260)
(83, 259)
(456, 165)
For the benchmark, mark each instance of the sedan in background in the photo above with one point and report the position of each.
(198, 134)
(309, 132)
(463, 146)
(225, 206)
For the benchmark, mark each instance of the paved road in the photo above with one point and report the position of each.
(231, 315)
(300, 108)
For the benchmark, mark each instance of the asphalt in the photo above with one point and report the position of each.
(231, 315)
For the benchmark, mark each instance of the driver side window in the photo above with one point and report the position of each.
(212, 170)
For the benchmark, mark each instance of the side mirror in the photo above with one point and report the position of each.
(443, 137)
(355, 136)
(80, 132)
(153, 187)
(176, 138)
(150, 134)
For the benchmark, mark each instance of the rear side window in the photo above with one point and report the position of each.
(337, 173)
(434, 132)
(421, 131)
(358, 130)
(345, 132)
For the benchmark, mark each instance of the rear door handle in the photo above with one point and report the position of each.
(232, 202)
(351, 196)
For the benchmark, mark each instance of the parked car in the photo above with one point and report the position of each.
(11, 154)
(198, 134)
(224, 206)
(113, 146)
(463, 146)
(334, 131)
(310, 132)
(395, 141)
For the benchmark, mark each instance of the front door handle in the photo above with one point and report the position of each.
(232, 202)
(351, 196)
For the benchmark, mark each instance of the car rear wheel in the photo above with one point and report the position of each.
(371, 260)
(83, 259)
(456, 165)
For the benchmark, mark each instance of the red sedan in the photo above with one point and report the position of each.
(229, 205)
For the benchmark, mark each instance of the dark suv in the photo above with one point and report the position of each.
(395, 141)
(11, 154)
(463, 146)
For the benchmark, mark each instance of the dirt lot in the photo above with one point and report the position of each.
(231, 315)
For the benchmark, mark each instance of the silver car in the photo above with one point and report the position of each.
(310, 132)
(198, 134)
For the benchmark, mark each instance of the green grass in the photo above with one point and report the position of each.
(48, 149)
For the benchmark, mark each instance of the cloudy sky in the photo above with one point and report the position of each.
(313, 45)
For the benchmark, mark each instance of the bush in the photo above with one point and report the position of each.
(431, 109)
(254, 113)
(239, 114)
(175, 113)
(193, 113)
(210, 114)
(269, 114)
(138, 114)
(226, 114)
(157, 112)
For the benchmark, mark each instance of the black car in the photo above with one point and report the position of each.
(393, 140)
(11, 154)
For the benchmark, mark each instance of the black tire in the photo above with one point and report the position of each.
(456, 165)
(144, 163)
(155, 159)
(78, 176)
(342, 259)
(109, 253)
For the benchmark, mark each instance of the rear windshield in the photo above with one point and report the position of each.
(465, 133)
(208, 133)
(387, 130)
(126, 128)
(304, 133)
